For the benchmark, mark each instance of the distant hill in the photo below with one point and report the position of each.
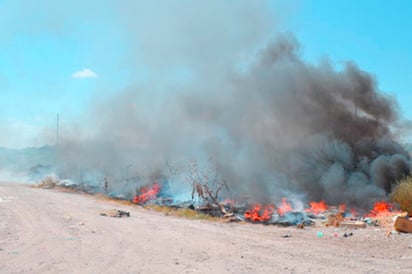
(23, 160)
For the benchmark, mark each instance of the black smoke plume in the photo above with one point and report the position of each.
(279, 127)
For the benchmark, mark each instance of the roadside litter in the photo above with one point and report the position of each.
(116, 213)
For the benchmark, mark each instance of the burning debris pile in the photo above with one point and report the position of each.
(283, 213)
(289, 136)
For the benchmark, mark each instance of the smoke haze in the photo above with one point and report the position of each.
(273, 124)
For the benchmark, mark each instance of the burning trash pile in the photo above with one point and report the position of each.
(206, 200)
(383, 214)
(288, 139)
(285, 213)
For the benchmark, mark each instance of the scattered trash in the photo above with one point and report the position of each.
(81, 223)
(335, 219)
(346, 235)
(320, 234)
(116, 213)
(403, 225)
(300, 226)
(286, 236)
(371, 222)
(353, 224)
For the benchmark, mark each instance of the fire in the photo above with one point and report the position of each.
(382, 209)
(354, 213)
(284, 207)
(147, 193)
(257, 214)
(317, 207)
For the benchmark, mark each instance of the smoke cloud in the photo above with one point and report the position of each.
(273, 124)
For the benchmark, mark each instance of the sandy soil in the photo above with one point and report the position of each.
(49, 231)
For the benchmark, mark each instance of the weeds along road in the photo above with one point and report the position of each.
(50, 231)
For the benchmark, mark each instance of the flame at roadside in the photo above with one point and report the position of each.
(317, 207)
(257, 213)
(383, 209)
(284, 207)
(147, 194)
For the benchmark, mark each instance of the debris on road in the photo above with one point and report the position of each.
(353, 224)
(403, 225)
(346, 235)
(335, 219)
(116, 213)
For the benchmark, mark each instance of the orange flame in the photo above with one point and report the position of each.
(284, 207)
(317, 207)
(147, 194)
(354, 213)
(382, 209)
(256, 214)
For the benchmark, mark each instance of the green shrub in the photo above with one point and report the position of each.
(402, 194)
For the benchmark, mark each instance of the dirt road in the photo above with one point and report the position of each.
(47, 231)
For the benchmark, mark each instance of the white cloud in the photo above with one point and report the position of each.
(84, 73)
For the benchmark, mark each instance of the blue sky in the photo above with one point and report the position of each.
(44, 43)
(374, 34)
